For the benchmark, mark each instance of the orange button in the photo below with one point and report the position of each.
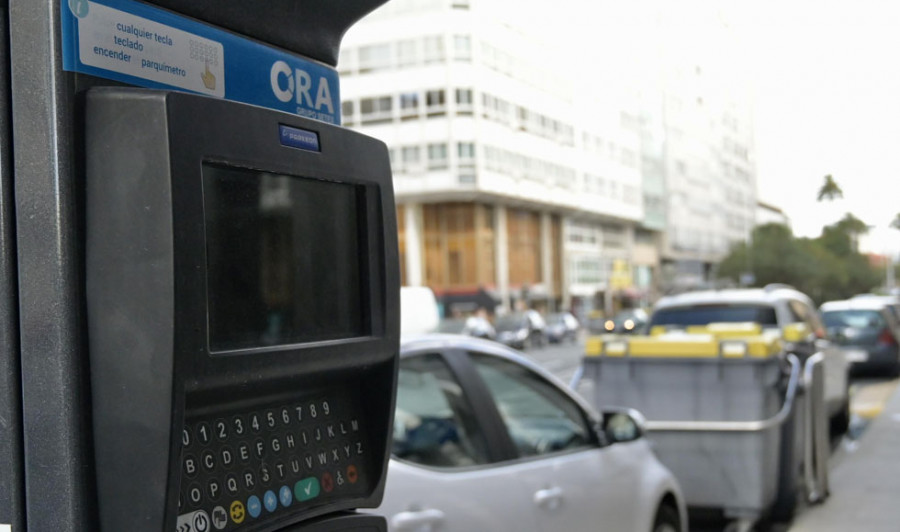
(352, 474)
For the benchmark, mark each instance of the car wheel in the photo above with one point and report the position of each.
(667, 520)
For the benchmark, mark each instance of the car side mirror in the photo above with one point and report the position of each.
(625, 425)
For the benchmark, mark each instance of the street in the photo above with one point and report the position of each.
(868, 398)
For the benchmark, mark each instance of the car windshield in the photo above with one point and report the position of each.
(706, 314)
(857, 319)
(511, 322)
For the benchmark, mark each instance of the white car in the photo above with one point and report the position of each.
(485, 440)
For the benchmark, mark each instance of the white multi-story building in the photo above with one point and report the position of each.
(515, 180)
(698, 146)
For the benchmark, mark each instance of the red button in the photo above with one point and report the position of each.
(327, 482)
(352, 474)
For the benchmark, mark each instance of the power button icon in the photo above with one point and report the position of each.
(201, 521)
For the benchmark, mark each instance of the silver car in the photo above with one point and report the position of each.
(486, 440)
(774, 307)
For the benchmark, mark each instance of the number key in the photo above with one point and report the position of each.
(204, 434)
(221, 429)
(238, 423)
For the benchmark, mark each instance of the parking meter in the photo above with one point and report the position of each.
(230, 295)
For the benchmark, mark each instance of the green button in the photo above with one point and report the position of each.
(306, 489)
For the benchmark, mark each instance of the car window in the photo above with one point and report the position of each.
(706, 314)
(857, 319)
(801, 312)
(434, 424)
(539, 417)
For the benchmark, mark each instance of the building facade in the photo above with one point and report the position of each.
(516, 182)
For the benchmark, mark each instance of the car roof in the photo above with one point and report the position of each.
(863, 303)
(421, 344)
(753, 296)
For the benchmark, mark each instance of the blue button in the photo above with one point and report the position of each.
(298, 138)
(270, 500)
(286, 496)
(254, 508)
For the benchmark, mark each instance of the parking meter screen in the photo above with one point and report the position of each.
(283, 261)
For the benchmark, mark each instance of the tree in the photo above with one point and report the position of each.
(830, 190)
(895, 223)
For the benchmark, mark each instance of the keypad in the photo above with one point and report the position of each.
(240, 468)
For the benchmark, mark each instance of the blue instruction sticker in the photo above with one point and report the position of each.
(141, 45)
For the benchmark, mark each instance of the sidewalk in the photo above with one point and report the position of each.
(865, 484)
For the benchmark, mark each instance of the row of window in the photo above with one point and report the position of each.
(606, 235)
(609, 149)
(434, 156)
(521, 166)
(524, 119)
(612, 189)
(405, 106)
(407, 53)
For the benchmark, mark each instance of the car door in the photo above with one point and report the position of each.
(444, 475)
(573, 482)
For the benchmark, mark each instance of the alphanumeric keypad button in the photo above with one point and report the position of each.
(275, 445)
(280, 469)
(213, 489)
(186, 438)
(203, 433)
(208, 460)
(290, 442)
(285, 416)
(259, 448)
(220, 427)
(227, 457)
(265, 475)
(244, 452)
(256, 424)
(238, 425)
(190, 466)
(271, 420)
(232, 484)
(195, 494)
(249, 480)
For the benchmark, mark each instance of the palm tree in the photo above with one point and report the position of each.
(895, 223)
(830, 190)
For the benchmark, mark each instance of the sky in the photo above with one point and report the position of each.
(825, 80)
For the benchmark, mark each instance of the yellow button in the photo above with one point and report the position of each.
(237, 512)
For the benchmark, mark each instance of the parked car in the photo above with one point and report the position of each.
(562, 326)
(867, 331)
(774, 308)
(476, 326)
(630, 321)
(486, 440)
(521, 330)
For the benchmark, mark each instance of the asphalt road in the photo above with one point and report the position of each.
(868, 397)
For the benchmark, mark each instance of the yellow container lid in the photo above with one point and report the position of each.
(684, 345)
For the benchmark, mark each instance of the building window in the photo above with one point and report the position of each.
(374, 57)
(347, 112)
(466, 151)
(434, 49)
(437, 156)
(464, 101)
(436, 103)
(462, 48)
(409, 105)
(460, 4)
(411, 156)
(407, 53)
(374, 110)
